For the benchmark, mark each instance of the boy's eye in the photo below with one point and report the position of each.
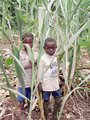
(51, 47)
(29, 42)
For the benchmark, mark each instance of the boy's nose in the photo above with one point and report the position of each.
(51, 49)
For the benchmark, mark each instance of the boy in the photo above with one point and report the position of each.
(24, 58)
(48, 77)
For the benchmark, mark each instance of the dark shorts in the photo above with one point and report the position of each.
(55, 94)
(27, 93)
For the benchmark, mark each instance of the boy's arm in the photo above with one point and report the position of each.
(25, 62)
(27, 65)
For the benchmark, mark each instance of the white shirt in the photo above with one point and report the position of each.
(48, 73)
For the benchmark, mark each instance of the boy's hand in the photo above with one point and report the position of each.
(40, 87)
(28, 66)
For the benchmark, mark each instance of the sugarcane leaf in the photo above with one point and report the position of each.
(19, 21)
(19, 71)
(6, 77)
(15, 92)
(75, 36)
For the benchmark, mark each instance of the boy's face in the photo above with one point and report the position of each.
(50, 48)
(29, 41)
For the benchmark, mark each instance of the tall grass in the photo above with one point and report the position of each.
(65, 20)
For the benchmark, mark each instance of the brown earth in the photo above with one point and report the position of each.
(76, 108)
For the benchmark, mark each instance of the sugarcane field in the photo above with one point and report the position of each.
(44, 59)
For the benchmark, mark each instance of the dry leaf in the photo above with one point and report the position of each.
(2, 111)
(67, 115)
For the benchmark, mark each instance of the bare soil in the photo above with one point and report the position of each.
(76, 108)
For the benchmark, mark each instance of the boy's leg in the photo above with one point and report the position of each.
(57, 96)
(46, 103)
(20, 99)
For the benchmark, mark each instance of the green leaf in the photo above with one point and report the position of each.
(15, 92)
(76, 35)
(9, 61)
(19, 68)
(19, 21)
(84, 43)
(6, 77)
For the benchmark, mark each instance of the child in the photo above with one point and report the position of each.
(24, 58)
(48, 77)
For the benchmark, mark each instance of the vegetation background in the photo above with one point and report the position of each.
(68, 21)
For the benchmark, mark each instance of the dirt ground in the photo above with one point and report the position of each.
(76, 108)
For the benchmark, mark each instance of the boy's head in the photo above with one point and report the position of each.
(50, 46)
(28, 39)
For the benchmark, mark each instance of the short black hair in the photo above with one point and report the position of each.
(27, 35)
(49, 40)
